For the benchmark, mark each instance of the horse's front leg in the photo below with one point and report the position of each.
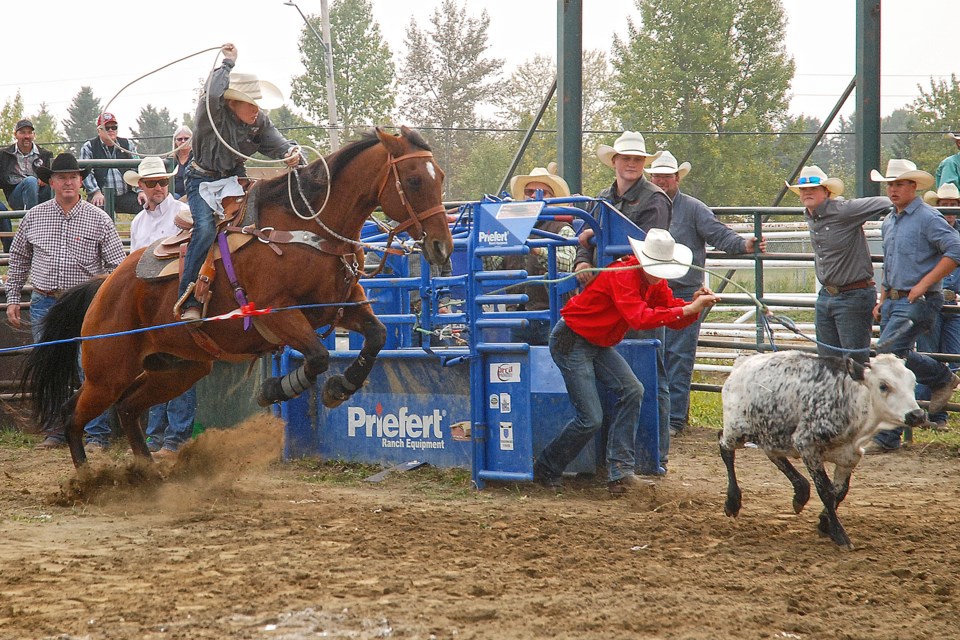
(297, 333)
(338, 388)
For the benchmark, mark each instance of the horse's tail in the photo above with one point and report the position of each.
(52, 371)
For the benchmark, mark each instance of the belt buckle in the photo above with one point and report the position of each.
(832, 290)
(949, 295)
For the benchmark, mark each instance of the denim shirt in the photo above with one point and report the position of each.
(694, 225)
(952, 280)
(914, 241)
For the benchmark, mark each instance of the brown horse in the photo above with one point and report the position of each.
(136, 371)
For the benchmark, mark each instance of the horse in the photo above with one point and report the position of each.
(137, 370)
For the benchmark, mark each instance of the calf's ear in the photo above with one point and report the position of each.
(855, 369)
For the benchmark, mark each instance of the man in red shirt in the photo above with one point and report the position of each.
(631, 294)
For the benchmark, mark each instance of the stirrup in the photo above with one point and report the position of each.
(182, 299)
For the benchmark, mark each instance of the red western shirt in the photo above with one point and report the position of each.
(621, 299)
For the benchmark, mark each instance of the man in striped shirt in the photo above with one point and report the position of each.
(61, 243)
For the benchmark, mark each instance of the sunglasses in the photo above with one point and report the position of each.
(814, 180)
(532, 192)
(156, 182)
(110, 127)
(181, 139)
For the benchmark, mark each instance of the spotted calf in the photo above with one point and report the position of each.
(817, 409)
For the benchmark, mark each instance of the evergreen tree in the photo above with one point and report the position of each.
(154, 132)
(47, 130)
(363, 69)
(81, 122)
(11, 112)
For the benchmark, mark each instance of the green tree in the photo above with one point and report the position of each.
(445, 77)
(295, 127)
(154, 132)
(81, 122)
(11, 112)
(363, 69)
(936, 109)
(47, 130)
(718, 66)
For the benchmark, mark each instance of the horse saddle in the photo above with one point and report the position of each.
(157, 262)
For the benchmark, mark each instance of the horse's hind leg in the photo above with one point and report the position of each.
(154, 387)
(337, 388)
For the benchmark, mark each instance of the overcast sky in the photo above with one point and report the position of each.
(104, 46)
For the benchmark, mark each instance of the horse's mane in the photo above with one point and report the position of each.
(313, 177)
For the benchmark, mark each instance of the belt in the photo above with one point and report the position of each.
(859, 284)
(198, 169)
(49, 294)
(949, 295)
(897, 294)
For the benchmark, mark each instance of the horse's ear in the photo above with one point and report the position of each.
(394, 144)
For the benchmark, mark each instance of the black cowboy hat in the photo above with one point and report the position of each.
(63, 163)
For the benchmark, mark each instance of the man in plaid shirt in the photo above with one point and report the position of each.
(61, 243)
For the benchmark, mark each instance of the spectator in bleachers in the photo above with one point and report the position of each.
(949, 168)
(183, 143)
(18, 174)
(107, 145)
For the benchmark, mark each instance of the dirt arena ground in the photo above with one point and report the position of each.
(229, 543)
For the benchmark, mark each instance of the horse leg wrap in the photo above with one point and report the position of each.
(357, 372)
(280, 389)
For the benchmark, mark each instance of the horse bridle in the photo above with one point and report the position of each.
(415, 219)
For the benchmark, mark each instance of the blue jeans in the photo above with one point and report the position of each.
(901, 323)
(171, 423)
(943, 337)
(583, 366)
(845, 321)
(98, 430)
(6, 226)
(28, 194)
(204, 233)
(663, 387)
(680, 348)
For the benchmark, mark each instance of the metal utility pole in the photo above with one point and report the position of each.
(868, 95)
(334, 128)
(570, 91)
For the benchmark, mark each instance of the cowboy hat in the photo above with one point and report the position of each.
(950, 135)
(813, 176)
(63, 163)
(947, 191)
(557, 184)
(246, 87)
(661, 256)
(900, 169)
(149, 167)
(666, 163)
(630, 143)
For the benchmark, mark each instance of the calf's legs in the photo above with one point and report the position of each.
(829, 524)
(801, 487)
(734, 496)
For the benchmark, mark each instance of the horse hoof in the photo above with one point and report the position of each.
(334, 393)
(270, 392)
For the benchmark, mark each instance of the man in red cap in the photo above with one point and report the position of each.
(107, 145)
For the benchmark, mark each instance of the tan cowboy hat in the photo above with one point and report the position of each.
(661, 256)
(539, 174)
(666, 163)
(630, 143)
(813, 176)
(246, 87)
(901, 169)
(149, 167)
(947, 191)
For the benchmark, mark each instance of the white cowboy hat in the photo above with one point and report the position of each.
(149, 167)
(947, 191)
(952, 136)
(666, 163)
(900, 169)
(246, 87)
(813, 176)
(661, 256)
(630, 143)
(557, 184)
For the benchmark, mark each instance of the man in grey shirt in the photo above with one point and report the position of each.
(841, 256)
(692, 225)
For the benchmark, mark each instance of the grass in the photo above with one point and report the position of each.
(11, 438)
(434, 482)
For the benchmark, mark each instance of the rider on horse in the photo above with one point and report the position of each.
(234, 101)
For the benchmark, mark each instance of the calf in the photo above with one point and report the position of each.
(817, 409)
